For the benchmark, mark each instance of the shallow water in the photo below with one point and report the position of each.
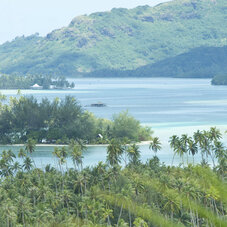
(169, 106)
(43, 156)
(151, 100)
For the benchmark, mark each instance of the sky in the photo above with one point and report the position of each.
(26, 17)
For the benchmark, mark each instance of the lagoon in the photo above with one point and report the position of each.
(168, 105)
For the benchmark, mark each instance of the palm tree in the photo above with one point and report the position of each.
(77, 157)
(173, 140)
(9, 212)
(22, 153)
(192, 147)
(98, 174)
(10, 155)
(137, 185)
(42, 217)
(180, 151)
(206, 148)
(61, 154)
(76, 150)
(27, 164)
(174, 144)
(78, 184)
(107, 214)
(184, 145)
(215, 134)
(155, 145)
(133, 154)
(33, 192)
(5, 164)
(30, 146)
(220, 153)
(199, 139)
(222, 167)
(24, 208)
(184, 139)
(139, 222)
(16, 166)
(114, 152)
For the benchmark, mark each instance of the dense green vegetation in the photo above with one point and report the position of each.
(139, 195)
(25, 82)
(219, 80)
(202, 62)
(120, 39)
(60, 121)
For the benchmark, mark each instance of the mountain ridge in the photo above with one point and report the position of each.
(120, 39)
(202, 62)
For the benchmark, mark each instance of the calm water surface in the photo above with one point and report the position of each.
(163, 103)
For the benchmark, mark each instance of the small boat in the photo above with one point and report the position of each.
(98, 104)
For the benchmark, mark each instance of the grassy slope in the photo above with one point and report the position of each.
(120, 39)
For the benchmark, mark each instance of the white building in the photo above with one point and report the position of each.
(36, 86)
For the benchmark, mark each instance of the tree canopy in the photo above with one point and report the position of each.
(60, 121)
(140, 194)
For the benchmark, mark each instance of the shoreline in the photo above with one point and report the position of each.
(162, 132)
(65, 145)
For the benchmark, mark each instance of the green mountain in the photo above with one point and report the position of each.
(201, 62)
(120, 39)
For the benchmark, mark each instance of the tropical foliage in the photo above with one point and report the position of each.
(140, 194)
(60, 121)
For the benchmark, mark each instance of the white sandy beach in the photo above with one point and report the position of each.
(164, 133)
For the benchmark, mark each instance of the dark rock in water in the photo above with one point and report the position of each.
(99, 104)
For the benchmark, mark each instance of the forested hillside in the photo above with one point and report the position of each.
(220, 79)
(120, 39)
(202, 62)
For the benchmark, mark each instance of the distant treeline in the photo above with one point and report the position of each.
(26, 81)
(202, 62)
(220, 79)
(60, 121)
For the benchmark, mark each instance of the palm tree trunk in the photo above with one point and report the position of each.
(120, 214)
(192, 215)
(212, 157)
(173, 159)
(130, 218)
(108, 218)
(23, 219)
(7, 221)
(81, 189)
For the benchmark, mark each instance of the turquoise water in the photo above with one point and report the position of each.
(43, 156)
(152, 100)
(167, 105)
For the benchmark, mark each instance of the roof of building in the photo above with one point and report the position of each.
(35, 85)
